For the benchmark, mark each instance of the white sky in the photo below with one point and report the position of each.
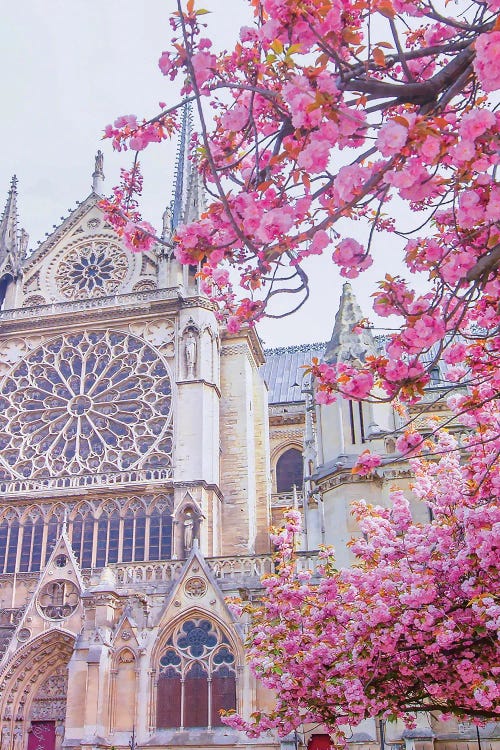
(69, 68)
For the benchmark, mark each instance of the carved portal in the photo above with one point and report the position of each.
(49, 703)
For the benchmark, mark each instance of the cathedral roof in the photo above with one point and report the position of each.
(283, 371)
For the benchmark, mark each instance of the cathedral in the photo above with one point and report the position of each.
(145, 452)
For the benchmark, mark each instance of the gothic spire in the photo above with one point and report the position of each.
(345, 343)
(9, 221)
(13, 243)
(182, 167)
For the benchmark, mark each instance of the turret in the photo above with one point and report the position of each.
(13, 248)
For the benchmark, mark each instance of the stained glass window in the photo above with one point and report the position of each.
(98, 401)
(197, 677)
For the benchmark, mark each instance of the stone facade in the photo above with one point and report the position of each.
(145, 453)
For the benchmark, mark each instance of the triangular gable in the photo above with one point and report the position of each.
(84, 258)
(197, 590)
(56, 600)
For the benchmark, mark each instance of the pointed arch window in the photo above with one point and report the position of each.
(12, 539)
(134, 533)
(197, 677)
(31, 544)
(289, 471)
(54, 528)
(160, 532)
(108, 533)
(82, 536)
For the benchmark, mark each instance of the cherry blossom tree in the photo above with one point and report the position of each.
(379, 115)
(333, 114)
(412, 627)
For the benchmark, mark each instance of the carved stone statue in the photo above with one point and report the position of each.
(190, 349)
(188, 531)
(5, 738)
(99, 161)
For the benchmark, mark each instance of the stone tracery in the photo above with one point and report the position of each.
(94, 269)
(97, 401)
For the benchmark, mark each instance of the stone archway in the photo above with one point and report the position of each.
(33, 689)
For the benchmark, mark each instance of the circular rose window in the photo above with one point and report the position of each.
(58, 599)
(94, 269)
(98, 401)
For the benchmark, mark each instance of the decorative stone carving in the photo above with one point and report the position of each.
(24, 635)
(195, 587)
(92, 269)
(190, 352)
(58, 599)
(50, 701)
(98, 401)
(160, 333)
(126, 656)
(126, 635)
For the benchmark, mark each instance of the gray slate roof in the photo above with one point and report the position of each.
(283, 369)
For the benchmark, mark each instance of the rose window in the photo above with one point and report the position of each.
(58, 599)
(96, 269)
(86, 403)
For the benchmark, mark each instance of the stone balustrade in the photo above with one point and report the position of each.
(21, 486)
(116, 300)
(232, 570)
(286, 499)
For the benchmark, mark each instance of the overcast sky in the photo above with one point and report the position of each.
(69, 68)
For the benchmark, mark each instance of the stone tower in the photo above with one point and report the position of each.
(134, 476)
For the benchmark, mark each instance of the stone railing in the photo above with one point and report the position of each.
(286, 499)
(116, 300)
(237, 569)
(20, 486)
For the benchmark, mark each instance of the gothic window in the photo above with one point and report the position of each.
(160, 533)
(108, 532)
(289, 471)
(54, 528)
(197, 677)
(82, 538)
(94, 269)
(93, 402)
(31, 545)
(134, 533)
(12, 540)
(58, 599)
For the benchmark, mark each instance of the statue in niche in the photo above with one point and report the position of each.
(5, 738)
(190, 349)
(188, 531)
(18, 738)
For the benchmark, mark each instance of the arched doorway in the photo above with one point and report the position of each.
(33, 689)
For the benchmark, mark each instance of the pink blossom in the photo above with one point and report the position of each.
(487, 60)
(391, 138)
(203, 64)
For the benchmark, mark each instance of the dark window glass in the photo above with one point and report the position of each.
(223, 693)
(12, 552)
(168, 709)
(128, 537)
(196, 697)
(53, 533)
(88, 539)
(289, 471)
(4, 532)
(36, 553)
(114, 532)
(166, 535)
(24, 563)
(102, 541)
(140, 535)
(76, 537)
(154, 535)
